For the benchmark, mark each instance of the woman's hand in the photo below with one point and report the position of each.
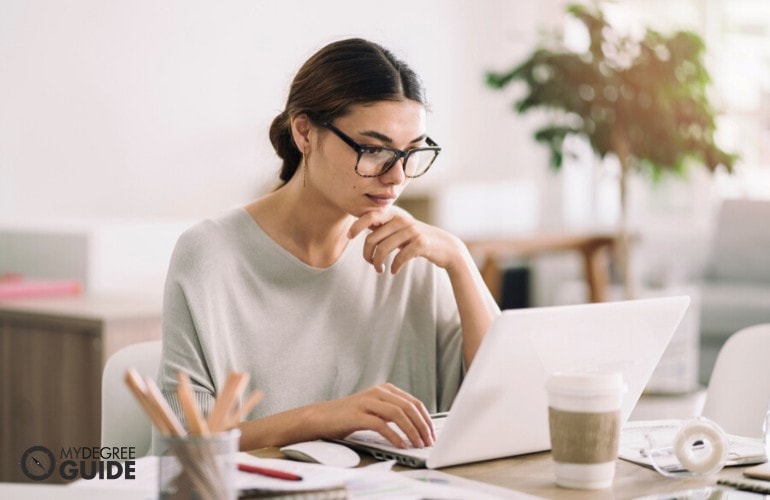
(372, 409)
(397, 231)
(393, 231)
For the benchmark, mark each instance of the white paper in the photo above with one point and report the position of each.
(370, 483)
(635, 446)
(477, 487)
(314, 476)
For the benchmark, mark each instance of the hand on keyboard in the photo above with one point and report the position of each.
(374, 409)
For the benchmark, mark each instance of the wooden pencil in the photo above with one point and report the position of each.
(166, 413)
(234, 386)
(195, 422)
(138, 387)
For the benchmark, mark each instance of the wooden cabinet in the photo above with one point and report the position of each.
(52, 352)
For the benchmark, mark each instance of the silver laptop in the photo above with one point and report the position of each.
(501, 408)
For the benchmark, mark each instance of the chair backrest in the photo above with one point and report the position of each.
(741, 241)
(738, 394)
(124, 423)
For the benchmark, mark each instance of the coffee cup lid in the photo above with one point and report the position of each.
(585, 382)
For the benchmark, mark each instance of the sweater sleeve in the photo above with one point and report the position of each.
(449, 343)
(450, 367)
(182, 349)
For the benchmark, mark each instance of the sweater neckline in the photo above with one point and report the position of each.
(260, 233)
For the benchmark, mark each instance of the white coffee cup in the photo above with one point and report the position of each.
(584, 421)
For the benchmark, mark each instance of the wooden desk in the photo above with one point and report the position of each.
(533, 474)
(52, 353)
(593, 249)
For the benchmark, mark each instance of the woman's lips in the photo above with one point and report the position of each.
(381, 199)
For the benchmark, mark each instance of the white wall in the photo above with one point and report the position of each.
(138, 109)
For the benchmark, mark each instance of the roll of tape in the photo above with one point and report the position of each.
(701, 446)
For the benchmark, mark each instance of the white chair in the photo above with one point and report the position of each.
(738, 394)
(735, 283)
(124, 423)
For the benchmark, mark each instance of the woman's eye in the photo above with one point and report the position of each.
(379, 155)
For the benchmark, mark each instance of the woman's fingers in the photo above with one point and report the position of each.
(408, 238)
(385, 409)
(398, 241)
(416, 247)
(390, 413)
(391, 233)
(369, 220)
(383, 225)
(405, 414)
(377, 424)
(416, 403)
(384, 239)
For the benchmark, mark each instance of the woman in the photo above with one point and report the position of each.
(345, 311)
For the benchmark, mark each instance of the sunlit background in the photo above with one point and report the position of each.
(123, 122)
(126, 121)
(143, 110)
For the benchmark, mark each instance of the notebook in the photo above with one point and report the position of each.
(501, 408)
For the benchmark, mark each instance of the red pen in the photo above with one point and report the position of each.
(278, 474)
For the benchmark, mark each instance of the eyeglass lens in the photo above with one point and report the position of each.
(375, 161)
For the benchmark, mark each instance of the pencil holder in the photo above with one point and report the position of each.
(199, 467)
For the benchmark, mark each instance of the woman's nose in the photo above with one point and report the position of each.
(396, 174)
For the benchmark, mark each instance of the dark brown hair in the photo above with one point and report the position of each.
(340, 75)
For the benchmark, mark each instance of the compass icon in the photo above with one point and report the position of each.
(38, 463)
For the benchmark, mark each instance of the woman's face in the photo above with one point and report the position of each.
(331, 164)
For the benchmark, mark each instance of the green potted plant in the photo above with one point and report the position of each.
(642, 100)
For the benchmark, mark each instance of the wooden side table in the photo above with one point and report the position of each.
(593, 248)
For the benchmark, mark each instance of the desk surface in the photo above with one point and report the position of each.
(96, 307)
(533, 474)
(528, 474)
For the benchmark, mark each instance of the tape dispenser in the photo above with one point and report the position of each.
(700, 448)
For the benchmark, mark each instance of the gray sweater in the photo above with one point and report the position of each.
(237, 301)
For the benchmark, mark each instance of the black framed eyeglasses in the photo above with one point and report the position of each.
(374, 161)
